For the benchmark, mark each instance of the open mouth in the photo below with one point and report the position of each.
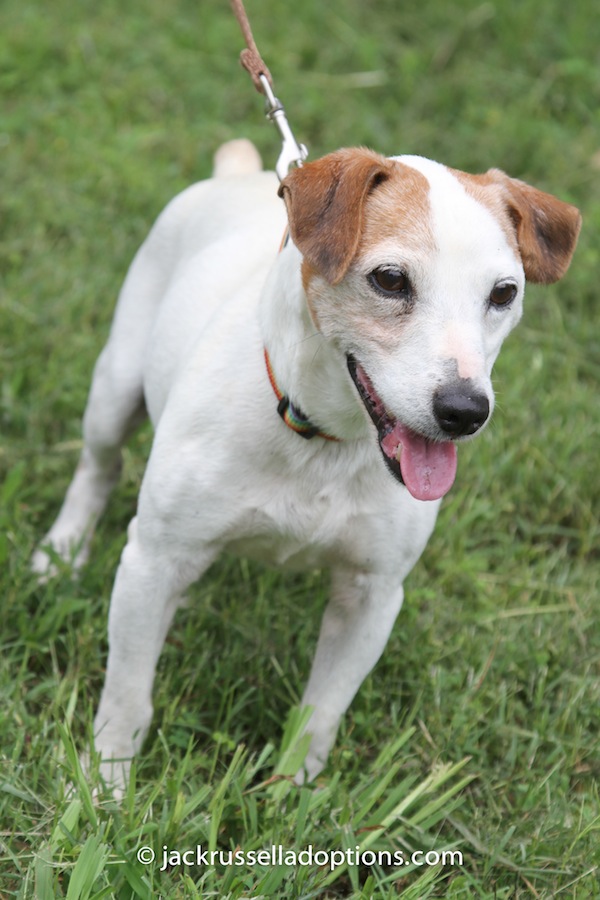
(426, 467)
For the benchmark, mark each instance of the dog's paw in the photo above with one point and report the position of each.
(43, 566)
(312, 767)
(53, 558)
(114, 774)
(110, 776)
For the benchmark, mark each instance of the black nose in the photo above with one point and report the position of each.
(460, 409)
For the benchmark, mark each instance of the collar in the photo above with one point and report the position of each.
(292, 415)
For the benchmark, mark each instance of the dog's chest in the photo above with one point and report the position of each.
(294, 532)
(361, 521)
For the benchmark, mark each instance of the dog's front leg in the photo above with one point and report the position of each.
(355, 629)
(148, 588)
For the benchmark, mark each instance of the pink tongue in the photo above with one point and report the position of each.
(428, 468)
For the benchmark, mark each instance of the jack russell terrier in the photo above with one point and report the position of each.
(308, 400)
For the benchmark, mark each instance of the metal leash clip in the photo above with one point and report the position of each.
(292, 153)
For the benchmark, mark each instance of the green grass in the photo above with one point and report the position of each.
(480, 728)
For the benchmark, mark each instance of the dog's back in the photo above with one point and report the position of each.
(220, 235)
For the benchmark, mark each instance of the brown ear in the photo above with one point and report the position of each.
(324, 201)
(547, 229)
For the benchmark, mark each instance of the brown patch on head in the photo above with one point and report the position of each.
(542, 229)
(325, 201)
(399, 211)
(351, 200)
(354, 201)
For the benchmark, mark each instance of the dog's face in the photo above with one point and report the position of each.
(415, 273)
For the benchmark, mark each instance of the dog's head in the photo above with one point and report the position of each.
(415, 273)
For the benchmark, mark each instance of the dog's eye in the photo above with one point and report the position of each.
(390, 281)
(503, 294)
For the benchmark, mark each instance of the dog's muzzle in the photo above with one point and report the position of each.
(427, 468)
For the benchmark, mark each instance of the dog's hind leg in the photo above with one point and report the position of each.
(153, 575)
(355, 629)
(114, 409)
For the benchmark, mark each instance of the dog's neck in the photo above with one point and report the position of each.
(308, 369)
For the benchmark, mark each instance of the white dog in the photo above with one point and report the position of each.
(307, 401)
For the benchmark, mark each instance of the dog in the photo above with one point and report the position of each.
(308, 399)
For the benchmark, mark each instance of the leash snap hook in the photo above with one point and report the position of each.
(292, 153)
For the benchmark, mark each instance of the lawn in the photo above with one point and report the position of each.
(479, 730)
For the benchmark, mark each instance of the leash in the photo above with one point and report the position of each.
(292, 153)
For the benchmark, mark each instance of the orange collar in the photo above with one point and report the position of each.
(293, 417)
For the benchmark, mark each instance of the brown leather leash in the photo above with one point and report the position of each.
(250, 58)
(292, 153)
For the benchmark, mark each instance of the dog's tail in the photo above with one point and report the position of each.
(236, 158)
